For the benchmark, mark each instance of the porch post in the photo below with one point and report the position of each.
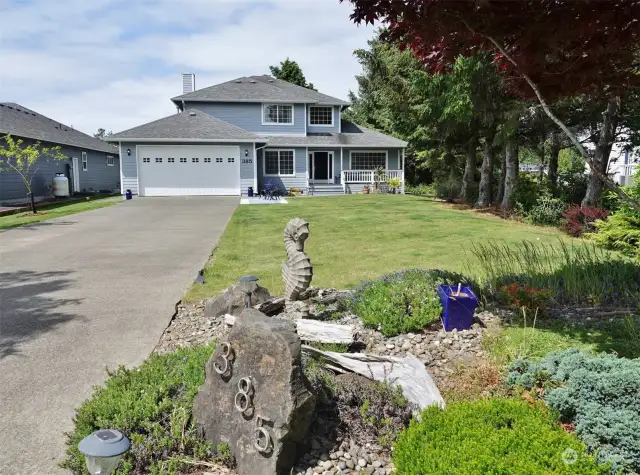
(402, 183)
(341, 164)
(306, 160)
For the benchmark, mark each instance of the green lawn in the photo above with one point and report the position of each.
(354, 238)
(56, 210)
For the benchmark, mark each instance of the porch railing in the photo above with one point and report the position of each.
(368, 176)
(629, 170)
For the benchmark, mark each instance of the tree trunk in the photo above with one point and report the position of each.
(553, 160)
(512, 168)
(486, 172)
(603, 149)
(503, 174)
(33, 203)
(469, 177)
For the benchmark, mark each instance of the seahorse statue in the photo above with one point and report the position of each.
(297, 271)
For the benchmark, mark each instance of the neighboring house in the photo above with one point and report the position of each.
(251, 131)
(92, 164)
(624, 167)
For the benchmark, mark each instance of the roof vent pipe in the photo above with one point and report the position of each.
(188, 83)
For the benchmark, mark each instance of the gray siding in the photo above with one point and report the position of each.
(286, 182)
(129, 168)
(249, 116)
(247, 165)
(319, 129)
(97, 177)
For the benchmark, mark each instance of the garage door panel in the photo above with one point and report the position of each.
(208, 170)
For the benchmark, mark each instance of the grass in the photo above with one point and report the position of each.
(524, 340)
(355, 238)
(56, 210)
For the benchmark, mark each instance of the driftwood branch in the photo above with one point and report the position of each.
(409, 373)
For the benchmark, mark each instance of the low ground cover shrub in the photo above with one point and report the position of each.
(402, 302)
(422, 189)
(581, 219)
(574, 274)
(497, 436)
(152, 406)
(520, 296)
(598, 394)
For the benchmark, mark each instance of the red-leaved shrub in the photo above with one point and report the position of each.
(580, 219)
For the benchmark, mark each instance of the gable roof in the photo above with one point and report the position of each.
(22, 122)
(352, 135)
(259, 89)
(189, 125)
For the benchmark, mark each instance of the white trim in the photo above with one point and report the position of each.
(386, 153)
(255, 171)
(75, 166)
(269, 101)
(341, 164)
(330, 166)
(85, 162)
(293, 114)
(120, 166)
(319, 125)
(138, 172)
(264, 161)
(211, 141)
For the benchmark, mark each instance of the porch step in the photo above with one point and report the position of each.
(327, 190)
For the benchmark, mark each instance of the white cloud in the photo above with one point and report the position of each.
(116, 63)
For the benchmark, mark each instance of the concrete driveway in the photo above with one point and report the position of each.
(82, 293)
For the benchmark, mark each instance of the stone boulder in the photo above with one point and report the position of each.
(232, 301)
(260, 405)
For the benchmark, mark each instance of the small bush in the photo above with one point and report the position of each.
(599, 394)
(403, 301)
(620, 232)
(152, 406)
(520, 296)
(498, 436)
(448, 189)
(581, 219)
(546, 212)
(424, 190)
(526, 192)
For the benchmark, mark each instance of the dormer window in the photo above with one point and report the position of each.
(321, 115)
(273, 114)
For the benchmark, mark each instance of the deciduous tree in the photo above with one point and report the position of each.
(290, 71)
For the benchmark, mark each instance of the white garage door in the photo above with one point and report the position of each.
(184, 170)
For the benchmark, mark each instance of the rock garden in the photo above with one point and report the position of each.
(543, 379)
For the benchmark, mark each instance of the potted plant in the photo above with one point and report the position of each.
(379, 176)
(365, 190)
(394, 184)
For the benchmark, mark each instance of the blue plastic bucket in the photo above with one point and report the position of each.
(457, 310)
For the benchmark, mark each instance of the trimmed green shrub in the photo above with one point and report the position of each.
(600, 394)
(497, 436)
(620, 232)
(151, 405)
(402, 302)
(546, 212)
(424, 190)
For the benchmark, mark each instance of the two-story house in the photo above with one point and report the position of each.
(251, 131)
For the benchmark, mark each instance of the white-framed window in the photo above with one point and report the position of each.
(207, 160)
(85, 162)
(274, 114)
(279, 163)
(158, 159)
(183, 159)
(219, 160)
(195, 160)
(146, 160)
(171, 160)
(111, 161)
(321, 115)
(368, 160)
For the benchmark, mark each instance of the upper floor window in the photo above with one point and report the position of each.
(277, 114)
(321, 115)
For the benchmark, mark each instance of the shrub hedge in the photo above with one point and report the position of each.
(497, 436)
(404, 301)
(600, 394)
(151, 405)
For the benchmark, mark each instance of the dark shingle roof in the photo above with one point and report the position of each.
(192, 124)
(352, 134)
(259, 89)
(22, 122)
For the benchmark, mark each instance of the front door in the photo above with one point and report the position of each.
(321, 167)
(76, 175)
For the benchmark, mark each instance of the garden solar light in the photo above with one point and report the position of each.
(249, 284)
(102, 450)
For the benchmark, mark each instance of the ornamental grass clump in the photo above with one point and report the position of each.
(401, 302)
(597, 394)
(496, 436)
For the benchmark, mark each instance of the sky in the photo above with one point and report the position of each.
(114, 64)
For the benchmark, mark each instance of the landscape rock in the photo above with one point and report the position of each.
(233, 301)
(267, 351)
